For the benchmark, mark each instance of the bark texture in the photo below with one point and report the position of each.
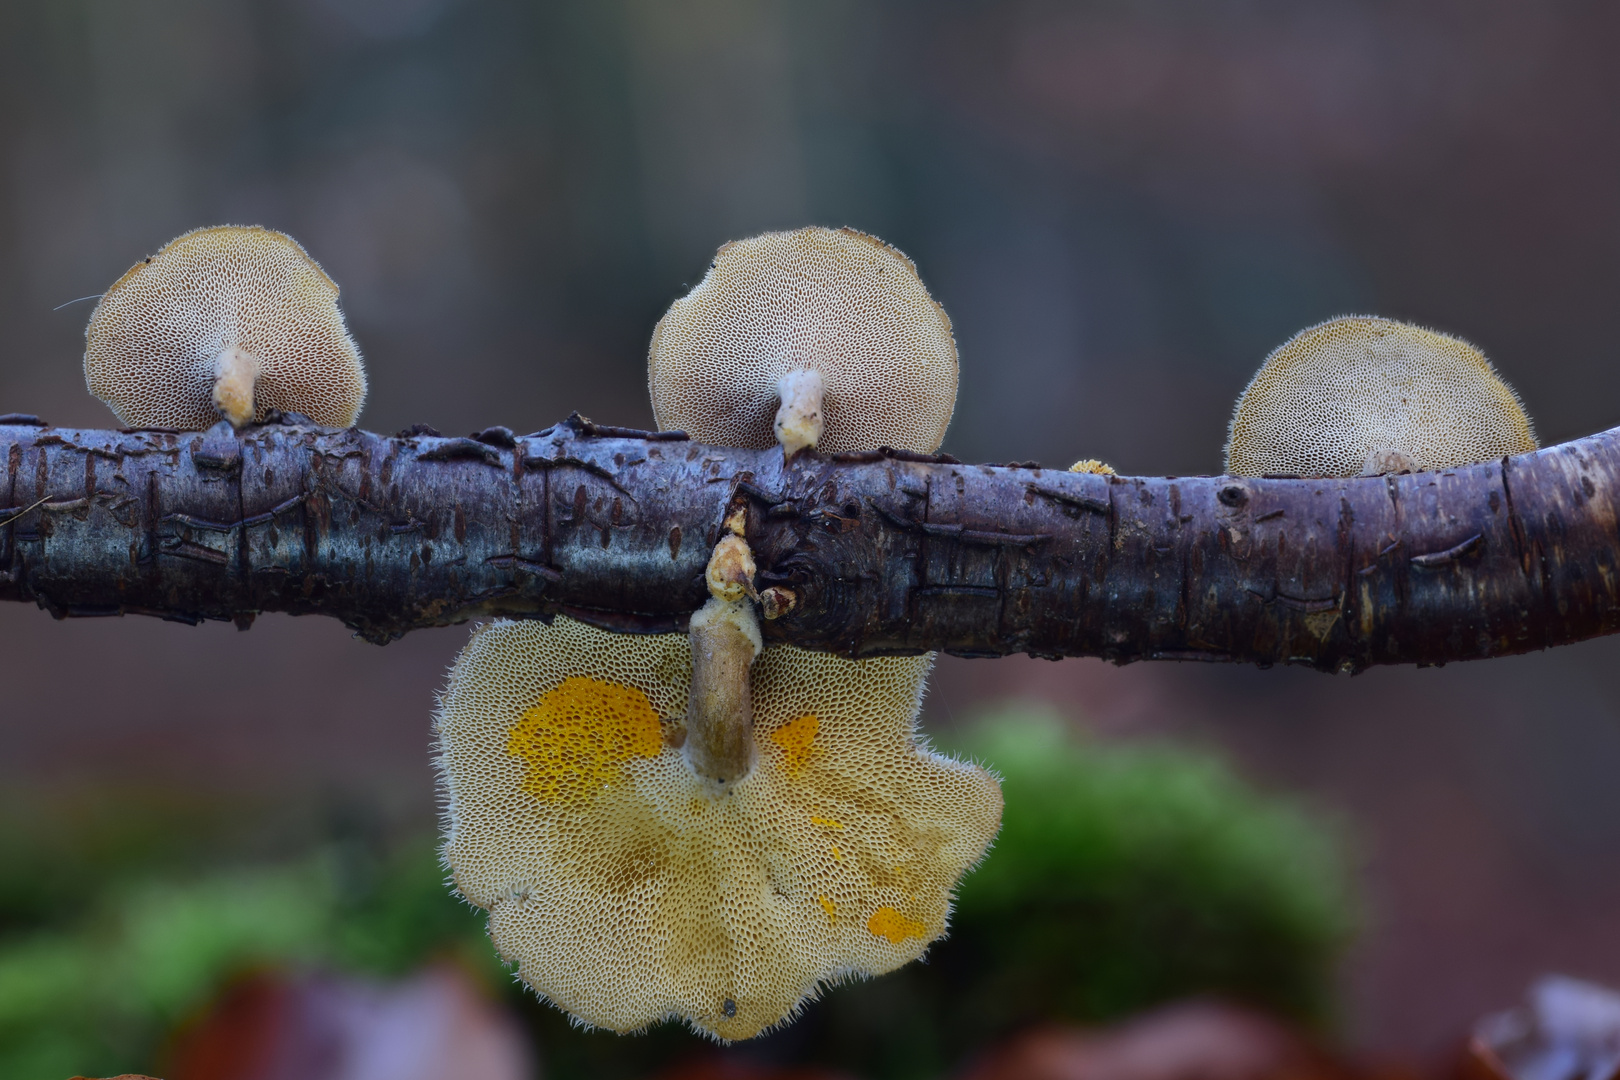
(880, 553)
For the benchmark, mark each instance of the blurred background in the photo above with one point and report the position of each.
(1123, 205)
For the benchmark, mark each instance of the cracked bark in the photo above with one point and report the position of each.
(882, 553)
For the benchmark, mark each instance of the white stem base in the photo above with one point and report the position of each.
(236, 372)
(1384, 461)
(801, 417)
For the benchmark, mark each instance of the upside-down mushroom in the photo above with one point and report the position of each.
(1360, 395)
(816, 337)
(223, 323)
(630, 888)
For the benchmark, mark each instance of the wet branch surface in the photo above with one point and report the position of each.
(884, 552)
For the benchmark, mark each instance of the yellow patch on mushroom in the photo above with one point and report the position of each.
(886, 922)
(796, 740)
(628, 907)
(579, 735)
(837, 303)
(231, 321)
(825, 823)
(829, 907)
(1360, 395)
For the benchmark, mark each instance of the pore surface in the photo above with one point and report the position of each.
(629, 889)
(1356, 388)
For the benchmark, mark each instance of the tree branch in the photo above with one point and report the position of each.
(882, 553)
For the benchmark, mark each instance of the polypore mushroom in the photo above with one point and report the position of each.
(1360, 395)
(816, 337)
(1092, 466)
(226, 322)
(630, 888)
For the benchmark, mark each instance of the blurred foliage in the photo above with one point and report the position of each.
(1124, 877)
(111, 934)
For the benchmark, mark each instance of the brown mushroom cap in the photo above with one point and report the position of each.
(836, 300)
(629, 889)
(152, 341)
(1342, 396)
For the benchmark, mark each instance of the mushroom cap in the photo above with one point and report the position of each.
(1359, 385)
(630, 890)
(836, 300)
(151, 342)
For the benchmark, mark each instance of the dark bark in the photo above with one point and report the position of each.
(883, 552)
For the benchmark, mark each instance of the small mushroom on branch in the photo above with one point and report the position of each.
(630, 888)
(816, 337)
(1360, 395)
(223, 323)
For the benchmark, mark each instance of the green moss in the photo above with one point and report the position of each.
(1129, 876)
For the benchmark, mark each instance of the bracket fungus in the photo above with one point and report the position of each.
(629, 888)
(1361, 395)
(225, 322)
(815, 337)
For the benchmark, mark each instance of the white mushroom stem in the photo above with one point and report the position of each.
(236, 371)
(800, 417)
(720, 713)
(1382, 462)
